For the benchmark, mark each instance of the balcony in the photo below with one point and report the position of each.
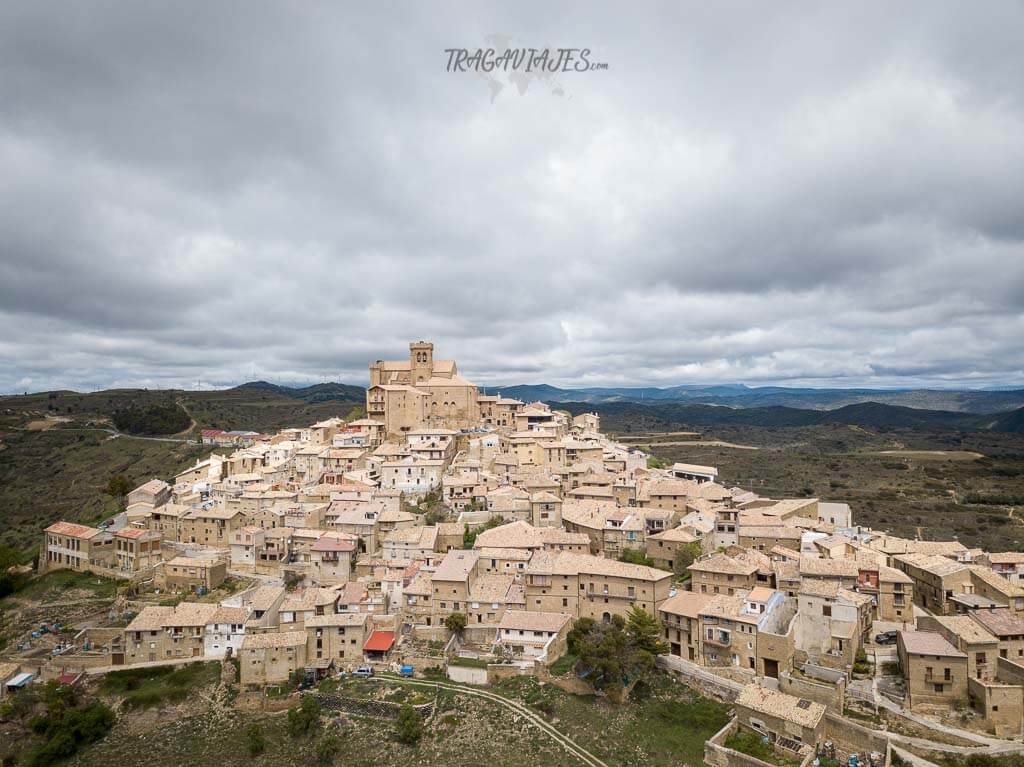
(607, 595)
(719, 640)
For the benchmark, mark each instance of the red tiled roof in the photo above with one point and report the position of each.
(380, 641)
(72, 530)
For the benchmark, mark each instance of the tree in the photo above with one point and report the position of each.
(644, 631)
(455, 623)
(304, 718)
(609, 655)
(118, 486)
(469, 535)
(409, 726)
(686, 555)
(578, 635)
(254, 739)
(11, 579)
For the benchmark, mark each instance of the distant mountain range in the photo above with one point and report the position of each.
(739, 405)
(325, 392)
(740, 396)
(866, 414)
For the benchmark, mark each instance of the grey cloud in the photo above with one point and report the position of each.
(820, 194)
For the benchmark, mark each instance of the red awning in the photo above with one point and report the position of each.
(380, 641)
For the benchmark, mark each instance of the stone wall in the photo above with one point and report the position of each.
(497, 672)
(830, 696)
(468, 675)
(851, 736)
(717, 755)
(381, 709)
(700, 678)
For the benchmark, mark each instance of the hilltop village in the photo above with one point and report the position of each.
(448, 525)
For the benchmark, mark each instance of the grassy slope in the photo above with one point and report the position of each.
(51, 475)
(667, 728)
(61, 473)
(253, 409)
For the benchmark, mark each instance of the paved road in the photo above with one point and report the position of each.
(563, 740)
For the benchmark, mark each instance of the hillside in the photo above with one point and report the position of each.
(325, 392)
(739, 396)
(58, 474)
(58, 449)
(627, 416)
(257, 406)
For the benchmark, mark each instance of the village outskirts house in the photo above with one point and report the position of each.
(533, 636)
(166, 633)
(71, 546)
(137, 549)
(271, 657)
(336, 637)
(786, 721)
(935, 672)
(189, 574)
(225, 630)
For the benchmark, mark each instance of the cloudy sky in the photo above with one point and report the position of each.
(220, 191)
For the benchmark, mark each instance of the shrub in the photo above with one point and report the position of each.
(635, 557)
(304, 718)
(254, 739)
(327, 748)
(455, 623)
(168, 418)
(409, 726)
(67, 729)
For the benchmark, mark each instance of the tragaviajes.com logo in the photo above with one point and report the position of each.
(527, 60)
(501, 64)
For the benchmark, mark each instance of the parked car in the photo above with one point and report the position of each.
(886, 637)
(363, 671)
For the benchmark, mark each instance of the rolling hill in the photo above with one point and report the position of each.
(867, 414)
(740, 396)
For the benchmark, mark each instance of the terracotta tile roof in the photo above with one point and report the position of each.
(456, 565)
(72, 530)
(965, 628)
(1000, 621)
(688, 604)
(522, 620)
(928, 643)
(806, 713)
(273, 639)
